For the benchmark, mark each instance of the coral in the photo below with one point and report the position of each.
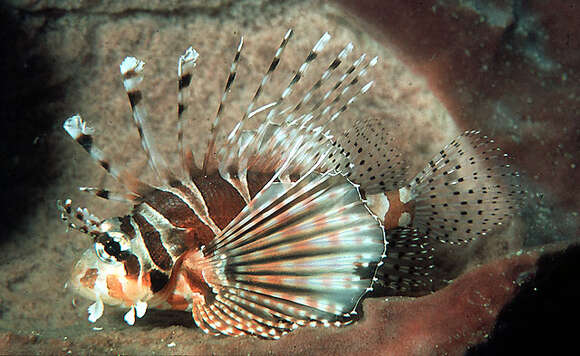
(537, 320)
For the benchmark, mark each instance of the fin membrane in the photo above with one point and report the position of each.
(376, 165)
(409, 265)
(466, 191)
(299, 253)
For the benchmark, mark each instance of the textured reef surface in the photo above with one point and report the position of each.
(508, 69)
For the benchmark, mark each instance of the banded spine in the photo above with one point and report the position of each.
(185, 66)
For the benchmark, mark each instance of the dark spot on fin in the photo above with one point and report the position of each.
(103, 193)
(376, 164)
(184, 81)
(86, 141)
(135, 98)
(467, 191)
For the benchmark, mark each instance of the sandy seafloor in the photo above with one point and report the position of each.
(63, 59)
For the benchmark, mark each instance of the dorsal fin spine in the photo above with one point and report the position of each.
(210, 151)
(319, 46)
(77, 128)
(132, 70)
(273, 65)
(185, 65)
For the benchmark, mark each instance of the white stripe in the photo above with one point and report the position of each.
(163, 227)
(379, 205)
(198, 205)
(405, 195)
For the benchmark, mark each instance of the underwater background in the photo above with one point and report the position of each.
(508, 68)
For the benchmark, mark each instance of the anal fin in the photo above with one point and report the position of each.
(409, 266)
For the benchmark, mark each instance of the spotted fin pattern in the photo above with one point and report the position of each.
(466, 191)
(409, 266)
(298, 253)
(376, 164)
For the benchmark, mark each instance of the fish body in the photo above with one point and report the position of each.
(282, 226)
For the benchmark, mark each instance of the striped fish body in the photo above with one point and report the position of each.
(285, 225)
(165, 225)
(271, 266)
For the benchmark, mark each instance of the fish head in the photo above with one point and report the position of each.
(110, 270)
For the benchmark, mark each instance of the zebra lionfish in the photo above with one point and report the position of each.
(285, 225)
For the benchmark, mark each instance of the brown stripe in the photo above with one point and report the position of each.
(222, 200)
(172, 207)
(152, 240)
(391, 218)
(257, 181)
(158, 280)
(197, 233)
(396, 209)
(132, 266)
(89, 278)
(126, 227)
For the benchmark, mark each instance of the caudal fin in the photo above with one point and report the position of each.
(466, 191)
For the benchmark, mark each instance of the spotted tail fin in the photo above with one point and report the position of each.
(466, 191)
(297, 254)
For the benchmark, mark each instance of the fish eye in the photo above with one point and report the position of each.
(108, 249)
(102, 253)
(112, 247)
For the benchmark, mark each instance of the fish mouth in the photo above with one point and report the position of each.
(89, 278)
(84, 276)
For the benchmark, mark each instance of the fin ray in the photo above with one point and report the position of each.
(308, 225)
(467, 191)
(375, 162)
(78, 129)
(132, 70)
(409, 266)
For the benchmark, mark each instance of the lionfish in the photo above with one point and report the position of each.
(285, 225)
